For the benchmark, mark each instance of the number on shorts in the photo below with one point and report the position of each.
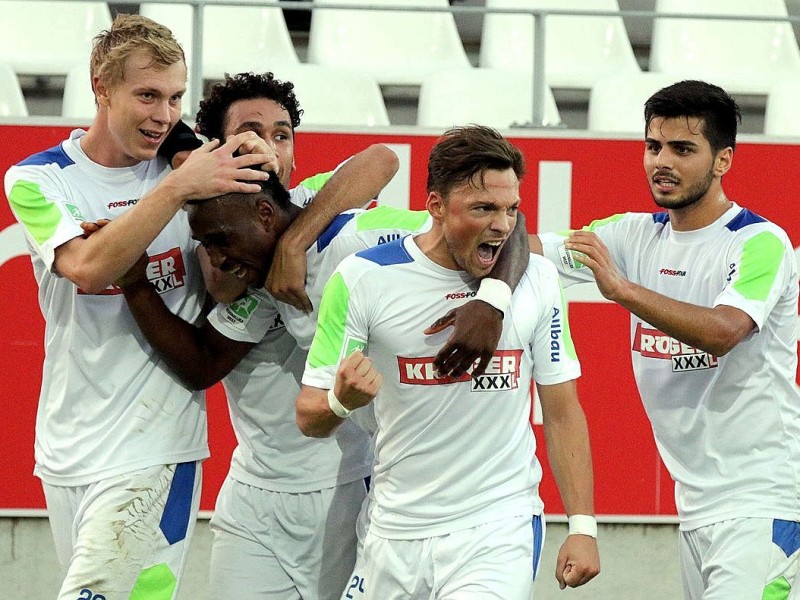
(357, 583)
(87, 594)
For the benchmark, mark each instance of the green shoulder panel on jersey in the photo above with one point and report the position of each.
(329, 338)
(761, 258)
(39, 216)
(389, 217)
(600, 222)
(315, 182)
(593, 225)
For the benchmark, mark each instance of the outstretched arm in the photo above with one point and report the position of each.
(567, 440)
(478, 324)
(199, 356)
(715, 330)
(353, 185)
(95, 262)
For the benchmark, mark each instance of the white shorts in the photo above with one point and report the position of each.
(741, 558)
(125, 536)
(497, 560)
(283, 546)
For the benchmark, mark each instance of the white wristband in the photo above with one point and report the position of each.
(338, 409)
(583, 525)
(496, 293)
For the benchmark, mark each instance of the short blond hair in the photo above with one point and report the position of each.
(129, 34)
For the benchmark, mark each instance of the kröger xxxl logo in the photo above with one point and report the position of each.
(653, 343)
(501, 374)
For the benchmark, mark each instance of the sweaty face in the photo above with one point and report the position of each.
(477, 219)
(678, 161)
(234, 237)
(272, 123)
(140, 110)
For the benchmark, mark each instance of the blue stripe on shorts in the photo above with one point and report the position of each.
(536, 524)
(175, 520)
(786, 535)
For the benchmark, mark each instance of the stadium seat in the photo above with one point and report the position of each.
(235, 38)
(780, 114)
(579, 50)
(12, 102)
(481, 96)
(49, 38)
(742, 57)
(393, 47)
(616, 103)
(78, 98)
(330, 96)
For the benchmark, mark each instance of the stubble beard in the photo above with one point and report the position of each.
(693, 195)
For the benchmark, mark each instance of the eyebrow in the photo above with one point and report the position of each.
(649, 140)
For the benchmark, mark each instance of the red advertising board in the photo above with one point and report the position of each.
(570, 181)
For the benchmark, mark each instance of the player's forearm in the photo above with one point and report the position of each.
(714, 330)
(96, 262)
(513, 259)
(178, 343)
(313, 414)
(357, 181)
(567, 441)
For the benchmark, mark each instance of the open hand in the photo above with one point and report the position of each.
(476, 332)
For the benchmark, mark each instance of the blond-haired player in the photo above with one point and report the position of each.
(118, 440)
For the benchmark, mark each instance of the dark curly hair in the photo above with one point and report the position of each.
(244, 86)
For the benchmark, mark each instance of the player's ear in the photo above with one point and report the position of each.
(266, 212)
(723, 161)
(101, 91)
(435, 205)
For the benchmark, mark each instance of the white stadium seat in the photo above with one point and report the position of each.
(393, 47)
(616, 103)
(740, 56)
(579, 50)
(235, 38)
(481, 96)
(12, 101)
(49, 38)
(780, 114)
(330, 96)
(78, 98)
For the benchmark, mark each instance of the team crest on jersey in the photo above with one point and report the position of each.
(74, 212)
(351, 344)
(241, 311)
(502, 373)
(653, 343)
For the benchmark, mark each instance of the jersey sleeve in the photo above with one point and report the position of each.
(760, 266)
(306, 190)
(359, 229)
(248, 319)
(571, 270)
(342, 325)
(42, 206)
(554, 357)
